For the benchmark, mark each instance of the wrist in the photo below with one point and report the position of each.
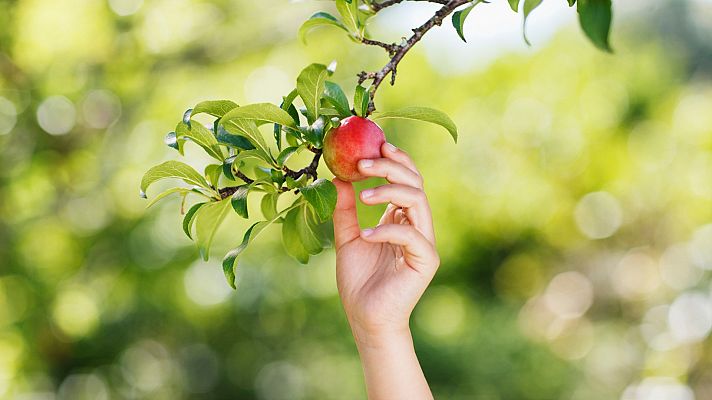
(381, 337)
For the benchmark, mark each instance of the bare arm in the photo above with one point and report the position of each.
(383, 272)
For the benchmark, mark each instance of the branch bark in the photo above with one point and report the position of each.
(401, 50)
(379, 6)
(309, 170)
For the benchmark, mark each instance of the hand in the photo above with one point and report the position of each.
(381, 273)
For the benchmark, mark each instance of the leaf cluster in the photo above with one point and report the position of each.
(248, 165)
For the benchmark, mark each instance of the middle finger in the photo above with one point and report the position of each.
(394, 172)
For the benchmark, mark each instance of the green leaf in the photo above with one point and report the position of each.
(246, 128)
(458, 20)
(349, 13)
(306, 227)
(239, 201)
(292, 111)
(195, 132)
(216, 108)
(230, 261)
(336, 96)
(595, 19)
(514, 5)
(571, 3)
(207, 221)
(190, 218)
(260, 113)
(173, 169)
(286, 153)
(268, 205)
(314, 133)
(291, 183)
(291, 238)
(316, 20)
(255, 154)
(321, 194)
(171, 140)
(361, 100)
(310, 86)
(212, 173)
(227, 168)
(182, 191)
(422, 114)
(237, 141)
(329, 112)
(529, 6)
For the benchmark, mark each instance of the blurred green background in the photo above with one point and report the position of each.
(573, 217)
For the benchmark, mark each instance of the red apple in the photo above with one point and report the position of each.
(355, 139)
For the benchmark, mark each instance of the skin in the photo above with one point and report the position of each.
(381, 273)
(355, 139)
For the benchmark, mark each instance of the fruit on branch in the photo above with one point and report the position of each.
(357, 138)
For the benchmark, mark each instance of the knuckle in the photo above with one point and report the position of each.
(436, 258)
(422, 197)
(419, 179)
(410, 233)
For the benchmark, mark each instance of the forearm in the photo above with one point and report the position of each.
(391, 367)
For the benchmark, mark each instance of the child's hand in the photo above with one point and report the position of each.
(381, 273)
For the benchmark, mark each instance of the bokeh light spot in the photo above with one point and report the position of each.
(56, 115)
(205, 284)
(658, 388)
(443, 313)
(83, 387)
(676, 268)
(8, 116)
(637, 275)
(569, 294)
(123, 8)
(280, 380)
(690, 317)
(701, 247)
(146, 365)
(598, 215)
(75, 312)
(101, 108)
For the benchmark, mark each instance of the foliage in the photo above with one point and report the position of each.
(101, 298)
(248, 164)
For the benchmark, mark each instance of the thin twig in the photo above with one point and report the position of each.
(380, 6)
(309, 170)
(392, 48)
(391, 68)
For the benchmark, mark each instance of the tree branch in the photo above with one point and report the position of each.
(309, 170)
(391, 68)
(390, 48)
(387, 3)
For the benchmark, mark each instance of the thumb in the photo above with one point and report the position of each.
(346, 226)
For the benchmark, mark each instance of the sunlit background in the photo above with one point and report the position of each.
(574, 217)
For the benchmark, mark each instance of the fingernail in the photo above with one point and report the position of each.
(366, 163)
(391, 147)
(367, 232)
(366, 193)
